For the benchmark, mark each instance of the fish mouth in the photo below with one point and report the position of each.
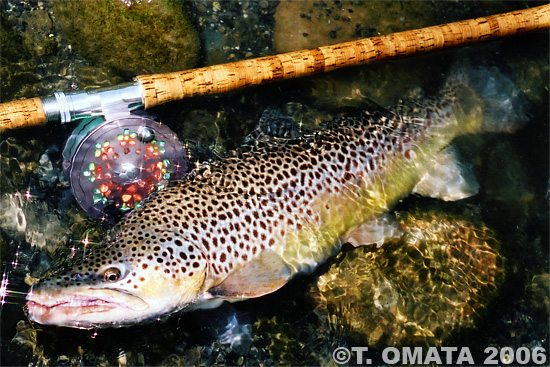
(88, 309)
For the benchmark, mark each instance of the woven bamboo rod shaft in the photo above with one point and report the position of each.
(162, 88)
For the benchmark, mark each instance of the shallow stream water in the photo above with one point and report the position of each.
(288, 327)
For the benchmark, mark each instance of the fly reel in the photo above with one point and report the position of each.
(114, 164)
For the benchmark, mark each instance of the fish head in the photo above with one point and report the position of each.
(133, 279)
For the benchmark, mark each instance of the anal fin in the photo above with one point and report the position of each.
(448, 179)
(263, 275)
(375, 231)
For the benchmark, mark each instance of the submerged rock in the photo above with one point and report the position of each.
(234, 30)
(25, 346)
(18, 162)
(133, 37)
(32, 220)
(297, 343)
(13, 219)
(418, 290)
(307, 24)
(13, 72)
(39, 37)
(36, 60)
(538, 297)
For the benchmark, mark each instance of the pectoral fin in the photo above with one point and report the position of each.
(264, 274)
(448, 179)
(375, 231)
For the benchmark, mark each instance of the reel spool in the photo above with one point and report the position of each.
(113, 165)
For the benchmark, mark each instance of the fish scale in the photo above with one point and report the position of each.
(243, 226)
(237, 221)
(292, 203)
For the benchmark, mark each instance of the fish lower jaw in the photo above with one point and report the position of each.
(77, 313)
(75, 302)
(84, 311)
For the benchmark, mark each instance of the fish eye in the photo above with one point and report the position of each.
(111, 274)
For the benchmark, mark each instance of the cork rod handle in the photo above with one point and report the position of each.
(22, 113)
(162, 88)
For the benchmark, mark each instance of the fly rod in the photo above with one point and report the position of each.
(151, 90)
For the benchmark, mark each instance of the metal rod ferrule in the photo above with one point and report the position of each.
(67, 107)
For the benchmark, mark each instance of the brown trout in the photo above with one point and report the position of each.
(245, 225)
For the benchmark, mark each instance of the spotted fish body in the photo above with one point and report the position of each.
(243, 226)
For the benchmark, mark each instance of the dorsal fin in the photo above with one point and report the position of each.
(374, 231)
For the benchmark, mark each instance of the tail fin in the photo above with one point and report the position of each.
(488, 100)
